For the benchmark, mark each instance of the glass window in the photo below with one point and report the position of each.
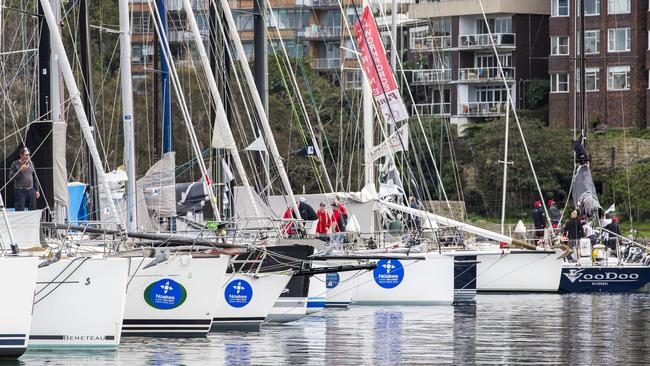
(619, 40)
(559, 83)
(559, 46)
(592, 7)
(618, 78)
(560, 8)
(618, 6)
(591, 79)
(243, 20)
(503, 25)
(592, 42)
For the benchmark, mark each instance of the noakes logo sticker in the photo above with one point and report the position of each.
(238, 293)
(389, 273)
(165, 294)
(332, 280)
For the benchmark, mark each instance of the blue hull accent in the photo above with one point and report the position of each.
(316, 304)
(604, 279)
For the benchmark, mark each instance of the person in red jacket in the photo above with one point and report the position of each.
(289, 226)
(337, 219)
(324, 220)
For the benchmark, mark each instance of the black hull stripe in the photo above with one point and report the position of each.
(12, 336)
(198, 329)
(166, 321)
(239, 319)
(12, 342)
(167, 334)
(13, 352)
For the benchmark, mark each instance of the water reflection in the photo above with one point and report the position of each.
(387, 337)
(501, 329)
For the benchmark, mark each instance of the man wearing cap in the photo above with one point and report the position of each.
(24, 175)
(539, 219)
(554, 213)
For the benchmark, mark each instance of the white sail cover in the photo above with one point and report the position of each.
(159, 187)
(25, 227)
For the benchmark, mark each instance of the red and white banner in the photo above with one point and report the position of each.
(377, 69)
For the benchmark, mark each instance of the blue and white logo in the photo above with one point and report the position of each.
(332, 280)
(238, 293)
(389, 273)
(165, 294)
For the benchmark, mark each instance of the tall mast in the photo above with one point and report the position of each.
(368, 129)
(165, 84)
(127, 114)
(268, 133)
(260, 64)
(583, 95)
(59, 50)
(87, 93)
(221, 120)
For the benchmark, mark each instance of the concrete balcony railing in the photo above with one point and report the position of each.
(470, 41)
(326, 63)
(430, 76)
(428, 43)
(431, 109)
(482, 109)
(320, 32)
(479, 74)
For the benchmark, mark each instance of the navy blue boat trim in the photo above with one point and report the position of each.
(239, 319)
(166, 321)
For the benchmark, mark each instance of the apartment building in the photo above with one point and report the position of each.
(453, 67)
(616, 72)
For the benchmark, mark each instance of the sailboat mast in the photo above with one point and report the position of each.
(127, 113)
(165, 83)
(583, 94)
(87, 93)
(368, 129)
(73, 91)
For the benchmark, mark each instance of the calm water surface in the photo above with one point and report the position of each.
(499, 329)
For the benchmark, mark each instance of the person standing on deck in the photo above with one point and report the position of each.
(573, 229)
(23, 173)
(555, 214)
(307, 212)
(539, 219)
(324, 220)
(337, 219)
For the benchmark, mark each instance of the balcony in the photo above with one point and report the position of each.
(431, 109)
(325, 63)
(483, 74)
(478, 41)
(482, 109)
(430, 76)
(429, 43)
(318, 3)
(319, 32)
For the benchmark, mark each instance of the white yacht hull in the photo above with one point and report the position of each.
(340, 287)
(245, 300)
(408, 282)
(292, 303)
(175, 298)
(79, 303)
(317, 295)
(19, 275)
(519, 271)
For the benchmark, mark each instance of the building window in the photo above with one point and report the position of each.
(559, 46)
(591, 79)
(618, 78)
(559, 83)
(619, 40)
(618, 6)
(592, 7)
(592, 42)
(560, 8)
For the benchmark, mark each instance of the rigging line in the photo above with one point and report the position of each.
(62, 282)
(300, 100)
(430, 151)
(514, 110)
(297, 118)
(422, 179)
